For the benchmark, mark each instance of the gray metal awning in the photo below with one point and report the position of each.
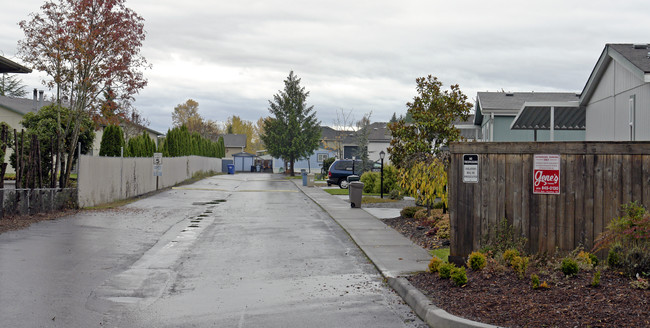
(8, 66)
(538, 116)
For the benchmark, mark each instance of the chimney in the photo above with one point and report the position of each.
(40, 99)
(34, 102)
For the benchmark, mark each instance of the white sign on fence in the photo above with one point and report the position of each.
(157, 164)
(470, 168)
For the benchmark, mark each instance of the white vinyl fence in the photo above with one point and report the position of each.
(107, 179)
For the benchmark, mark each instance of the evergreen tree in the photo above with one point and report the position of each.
(112, 141)
(11, 86)
(293, 132)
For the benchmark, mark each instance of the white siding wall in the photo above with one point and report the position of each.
(608, 110)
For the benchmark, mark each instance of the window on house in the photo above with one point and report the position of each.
(632, 115)
(322, 157)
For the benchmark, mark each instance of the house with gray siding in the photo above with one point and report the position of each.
(617, 94)
(495, 113)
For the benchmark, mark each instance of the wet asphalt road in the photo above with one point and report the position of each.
(248, 250)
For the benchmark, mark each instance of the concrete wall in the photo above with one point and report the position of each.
(107, 179)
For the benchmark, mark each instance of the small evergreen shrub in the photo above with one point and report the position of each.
(444, 228)
(444, 271)
(595, 281)
(534, 280)
(476, 261)
(435, 264)
(459, 276)
(569, 266)
(509, 255)
(520, 264)
(409, 211)
(594, 259)
(615, 256)
(421, 214)
(395, 194)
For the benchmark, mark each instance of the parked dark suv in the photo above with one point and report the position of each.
(340, 170)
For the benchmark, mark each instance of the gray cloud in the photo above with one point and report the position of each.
(232, 57)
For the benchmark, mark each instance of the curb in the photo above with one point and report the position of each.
(421, 305)
(427, 311)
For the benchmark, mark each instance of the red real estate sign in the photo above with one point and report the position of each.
(546, 174)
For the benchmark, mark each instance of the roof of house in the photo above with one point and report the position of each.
(8, 66)
(234, 140)
(20, 106)
(509, 103)
(634, 57)
(379, 132)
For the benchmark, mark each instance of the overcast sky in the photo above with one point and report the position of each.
(232, 56)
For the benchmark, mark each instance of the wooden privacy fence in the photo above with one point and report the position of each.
(596, 178)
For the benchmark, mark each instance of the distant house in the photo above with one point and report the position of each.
(495, 113)
(616, 96)
(335, 143)
(8, 66)
(234, 143)
(468, 130)
(12, 111)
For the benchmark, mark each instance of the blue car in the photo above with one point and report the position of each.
(340, 170)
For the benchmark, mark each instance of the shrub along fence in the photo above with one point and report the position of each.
(595, 179)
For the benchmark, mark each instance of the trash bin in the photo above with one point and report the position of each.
(353, 177)
(356, 192)
(231, 168)
(304, 177)
(310, 180)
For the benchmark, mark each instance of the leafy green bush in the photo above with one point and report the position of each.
(459, 276)
(444, 270)
(569, 266)
(326, 164)
(628, 238)
(435, 264)
(370, 182)
(409, 211)
(476, 261)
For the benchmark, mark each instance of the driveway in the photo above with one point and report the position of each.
(245, 250)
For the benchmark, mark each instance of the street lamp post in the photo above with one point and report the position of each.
(381, 180)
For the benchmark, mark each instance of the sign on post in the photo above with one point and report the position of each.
(546, 174)
(157, 164)
(470, 168)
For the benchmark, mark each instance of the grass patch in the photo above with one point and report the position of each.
(337, 191)
(374, 200)
(441, 253)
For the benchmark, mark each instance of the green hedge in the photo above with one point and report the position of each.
(372, 180)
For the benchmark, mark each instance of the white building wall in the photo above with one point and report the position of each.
(374, 148)
(607, 114)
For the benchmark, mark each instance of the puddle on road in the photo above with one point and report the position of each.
(213, 202)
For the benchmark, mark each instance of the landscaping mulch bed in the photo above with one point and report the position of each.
(500, 297)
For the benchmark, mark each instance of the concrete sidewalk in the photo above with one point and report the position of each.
(394, 255)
